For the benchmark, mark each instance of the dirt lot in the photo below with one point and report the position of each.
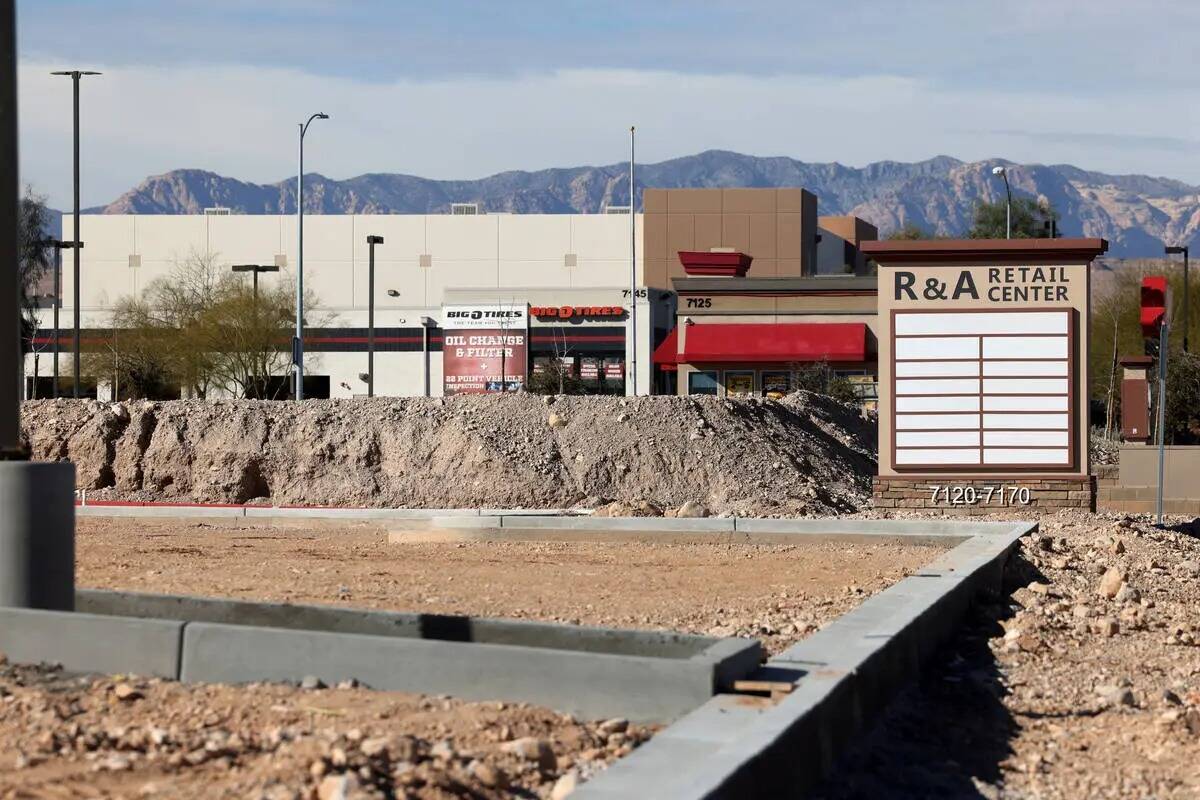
(777, 593)
(63, 737)
(1084, 682)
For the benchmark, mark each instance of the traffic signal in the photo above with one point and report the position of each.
(1154, 304)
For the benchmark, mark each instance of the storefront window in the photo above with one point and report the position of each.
(704, 382)
(776, 384)
(739, 384)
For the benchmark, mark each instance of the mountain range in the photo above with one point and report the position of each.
(1136, 213)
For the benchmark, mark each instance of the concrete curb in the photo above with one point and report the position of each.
(647, 676)
(845, 675)
(92, 642)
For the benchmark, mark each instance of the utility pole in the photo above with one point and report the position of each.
(37, 508)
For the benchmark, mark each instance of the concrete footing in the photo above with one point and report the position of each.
(37, 535)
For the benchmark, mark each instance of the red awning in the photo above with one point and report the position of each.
(765, 342)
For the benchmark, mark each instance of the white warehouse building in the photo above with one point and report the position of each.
(577, 263)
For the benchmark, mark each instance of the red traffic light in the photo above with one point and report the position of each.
(1154, 304)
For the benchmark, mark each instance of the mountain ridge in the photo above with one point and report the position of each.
(1138, 214)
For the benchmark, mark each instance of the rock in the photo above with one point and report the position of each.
(114, 764)
(532, 749)
(548, 400)
(622, 417)
(488, 775)
(1116, 695)
(1081, 611)
(564, 786)
(1170, 698)
(691, 510)
(349, 683)
(1108, 627)
(374, 748)
(338, 787)
(1128, 594)
(126, 693)
(311, 682)
(1190, 568)
(442, 750)
(556, 421)
(1110, 584)
(615, 725)
(1192, 718)
(1118, 547)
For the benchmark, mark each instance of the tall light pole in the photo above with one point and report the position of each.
(298, 341)
(1172, 250)
(1003, 173)
(371, 242)
(632, 267)
(76, 74)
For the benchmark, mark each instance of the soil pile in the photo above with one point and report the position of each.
(645, 455)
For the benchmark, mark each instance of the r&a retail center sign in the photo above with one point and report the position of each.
(983, 357)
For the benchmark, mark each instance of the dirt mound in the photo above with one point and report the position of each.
(758, 457)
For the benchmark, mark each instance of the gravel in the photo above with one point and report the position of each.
(1061, 688)
(69, 736)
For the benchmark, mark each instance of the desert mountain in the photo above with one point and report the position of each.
(1136, 213)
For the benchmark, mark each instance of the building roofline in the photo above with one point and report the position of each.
(979, 250)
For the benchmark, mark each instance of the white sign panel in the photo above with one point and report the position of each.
(982, 388)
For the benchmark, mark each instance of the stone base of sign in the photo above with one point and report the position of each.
(977, 496)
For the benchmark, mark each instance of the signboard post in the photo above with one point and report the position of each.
(485, 349)
(982, 365)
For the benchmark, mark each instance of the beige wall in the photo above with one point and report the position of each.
(1077, 299)
(501, 250)
(776, 226)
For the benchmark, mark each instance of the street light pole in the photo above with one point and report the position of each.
(632, 268)
(1186, 319)
(75, 75)
(1003, 173)
(371, 242)
(298, 341)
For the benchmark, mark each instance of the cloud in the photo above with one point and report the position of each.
(240, 120)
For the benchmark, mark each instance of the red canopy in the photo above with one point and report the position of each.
(766, 342)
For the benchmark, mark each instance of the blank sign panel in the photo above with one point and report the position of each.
(938, 386)
(909, 404)
(937, 438)
(965, 456)
(938, 349)
(1025, 347)
(916, 422)
(1025, 368)
(1029, 322)
(1026, 456)
(1025, 386)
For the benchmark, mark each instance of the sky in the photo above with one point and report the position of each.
(455, 89)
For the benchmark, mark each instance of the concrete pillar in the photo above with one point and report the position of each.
(37, 535)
